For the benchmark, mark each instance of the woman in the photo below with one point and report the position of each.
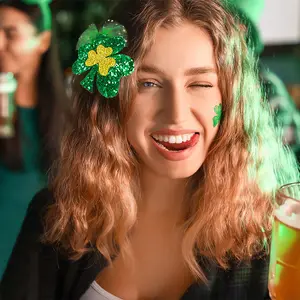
(161, 189)
(28, 50)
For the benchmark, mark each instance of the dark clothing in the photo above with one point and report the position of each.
(17, 188)
(38, 271)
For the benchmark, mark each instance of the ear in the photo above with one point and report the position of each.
(44, 41)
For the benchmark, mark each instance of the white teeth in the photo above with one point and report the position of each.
(179, 139)
(172, 139)
(185, 138)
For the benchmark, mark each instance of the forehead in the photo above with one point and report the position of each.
(181, 47)
(12, 17)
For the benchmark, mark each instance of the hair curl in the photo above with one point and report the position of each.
(97, 186)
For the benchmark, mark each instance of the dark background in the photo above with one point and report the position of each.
(72, 17)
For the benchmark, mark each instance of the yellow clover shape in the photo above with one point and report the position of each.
(101, 58)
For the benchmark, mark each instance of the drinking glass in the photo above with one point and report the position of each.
(8, 85)
(284, 273)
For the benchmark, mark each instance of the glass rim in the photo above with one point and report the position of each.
(281, 191)
(289, 185)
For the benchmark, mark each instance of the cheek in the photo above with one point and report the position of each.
(30, 45)
(132, 128)
(139, 123)
(205, 111)
(210, 130)
(24, 50)
(10, 61)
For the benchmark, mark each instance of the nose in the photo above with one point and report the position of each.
(2, 40)
(177, 105)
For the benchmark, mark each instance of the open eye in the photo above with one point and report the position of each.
(146, 84)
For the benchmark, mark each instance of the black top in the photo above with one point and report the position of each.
(39, 272)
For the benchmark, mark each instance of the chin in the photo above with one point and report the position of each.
(8, 69)
(179, 171)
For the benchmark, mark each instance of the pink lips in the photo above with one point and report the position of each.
(178, 155)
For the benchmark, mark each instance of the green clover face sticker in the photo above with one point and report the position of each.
(98, 54)
(217, 118)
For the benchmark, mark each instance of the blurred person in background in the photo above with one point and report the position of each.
(28, 50)
(286, 113)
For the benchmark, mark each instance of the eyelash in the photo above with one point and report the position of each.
(153, 84)
(143, 84)
(202, 85)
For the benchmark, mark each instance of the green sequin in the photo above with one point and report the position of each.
(217, 118)
(98, 54)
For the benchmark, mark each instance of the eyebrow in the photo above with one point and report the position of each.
(15, 27)
(188, 72)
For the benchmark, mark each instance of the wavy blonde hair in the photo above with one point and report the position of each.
(96, 186)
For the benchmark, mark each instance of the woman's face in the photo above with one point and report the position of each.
(171, 125)
(19, 41)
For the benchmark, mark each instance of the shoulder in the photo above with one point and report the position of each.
(32, 226)
(41, 200)
(33, 223)
(29, 252)
(42, 271)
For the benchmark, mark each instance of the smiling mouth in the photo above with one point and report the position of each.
(177, 147)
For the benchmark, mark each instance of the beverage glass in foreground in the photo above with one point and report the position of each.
(8, 85)
(284, 273)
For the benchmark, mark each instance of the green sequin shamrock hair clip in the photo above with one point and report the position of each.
(98, 54)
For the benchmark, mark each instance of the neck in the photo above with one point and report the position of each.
(162, 195)
(26, 93)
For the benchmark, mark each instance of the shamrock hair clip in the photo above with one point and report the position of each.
(98, 53)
